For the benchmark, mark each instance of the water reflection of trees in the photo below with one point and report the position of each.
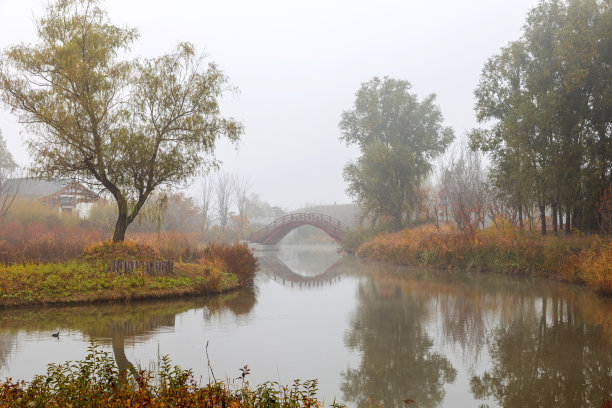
(549, 343)
(8, 342)
(549, 358)
(120, 324)
(398, 362)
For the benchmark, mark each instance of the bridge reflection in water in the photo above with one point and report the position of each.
(278, 271)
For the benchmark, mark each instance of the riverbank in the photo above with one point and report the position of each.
(213, 269)
(575, 258)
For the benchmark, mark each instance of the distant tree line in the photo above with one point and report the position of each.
(544, 102)
(225, 204)
(544, 108)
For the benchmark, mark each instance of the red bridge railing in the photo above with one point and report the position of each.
(275, 231)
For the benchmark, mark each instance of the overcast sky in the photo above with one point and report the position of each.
(298, 65)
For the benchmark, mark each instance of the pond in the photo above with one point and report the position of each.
(366, 331)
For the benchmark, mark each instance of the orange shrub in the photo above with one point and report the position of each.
(237, 258)
(596, 268)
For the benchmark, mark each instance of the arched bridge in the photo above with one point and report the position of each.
(276, 230)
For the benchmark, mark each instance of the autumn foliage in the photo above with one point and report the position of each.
(582, 259)
(32, 232)
(235, 258)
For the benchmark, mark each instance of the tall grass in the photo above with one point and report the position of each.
(576, 258)
(32, 232)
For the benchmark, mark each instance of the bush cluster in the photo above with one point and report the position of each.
(236, 259)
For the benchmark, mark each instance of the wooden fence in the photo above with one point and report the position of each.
(148, 267)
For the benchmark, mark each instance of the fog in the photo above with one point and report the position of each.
(297, 66)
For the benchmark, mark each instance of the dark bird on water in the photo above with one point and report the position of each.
(55, 335)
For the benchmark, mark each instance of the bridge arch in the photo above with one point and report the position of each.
(275, 231)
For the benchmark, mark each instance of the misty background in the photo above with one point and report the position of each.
(297, 66)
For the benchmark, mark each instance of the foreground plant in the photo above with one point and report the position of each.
(96, 381)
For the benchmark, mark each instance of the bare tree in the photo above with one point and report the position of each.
(500, 207)
(223, 190)
(205, 209)
(8, 191)
(435, 199)
(433, 206)
(241, 187)
(465, 189)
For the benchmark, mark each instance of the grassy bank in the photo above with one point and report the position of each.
(97, 382)
(212, 269)
(575, 258)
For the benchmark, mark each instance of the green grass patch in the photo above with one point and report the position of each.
(78, 281)
(88, 279)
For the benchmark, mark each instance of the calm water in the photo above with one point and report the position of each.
(366, 331)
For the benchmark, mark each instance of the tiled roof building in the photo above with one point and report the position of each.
(66, 195)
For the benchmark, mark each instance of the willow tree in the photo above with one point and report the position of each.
(127, 126)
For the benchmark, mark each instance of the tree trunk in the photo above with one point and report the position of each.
(397, 222)
(543, 218)
(560, 220)
(567, 221)
(121, 225)
(530, 218)
(554, 219)
(520, 215)
(577, 223)
(123, 218)
(241, 224)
